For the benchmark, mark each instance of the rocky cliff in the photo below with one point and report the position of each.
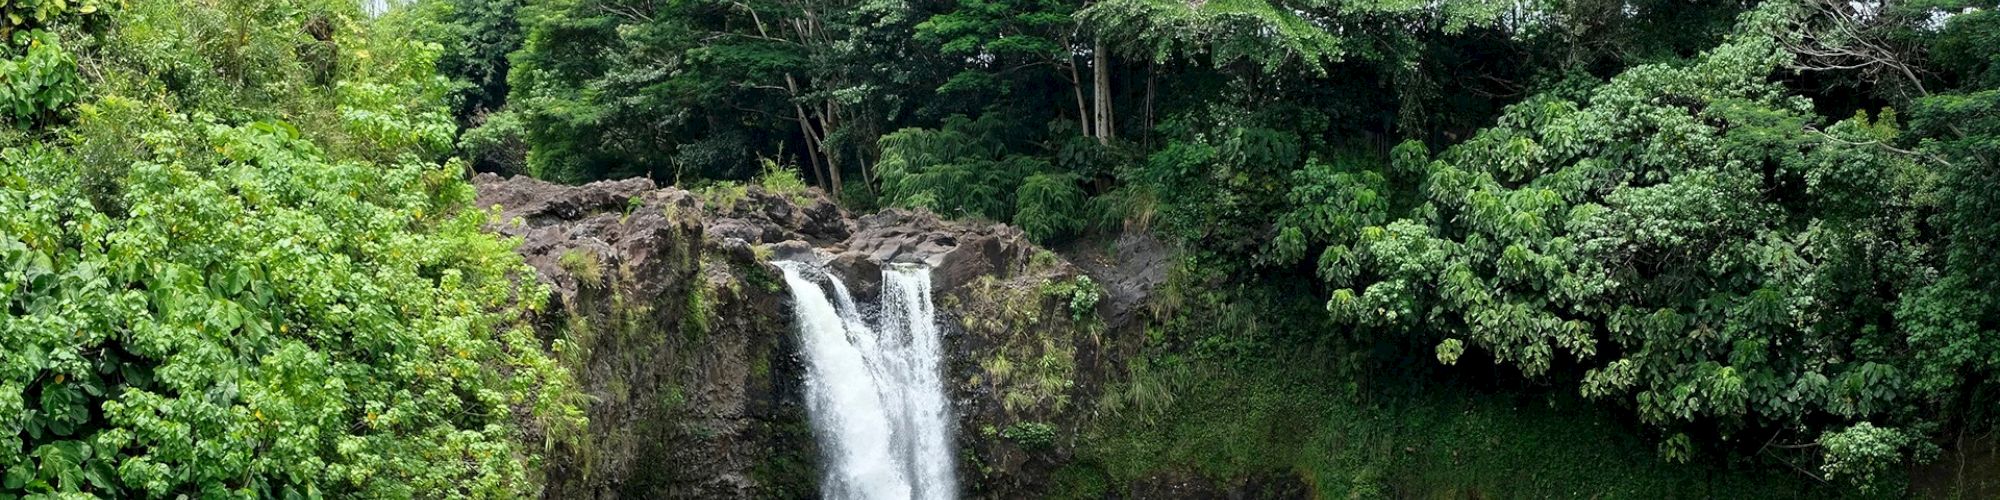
(678, 341)
(679, 332)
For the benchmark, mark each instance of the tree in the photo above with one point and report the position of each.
(1689, 237)
(701, 89)
(1956, 320)
(477, 36)
(1936, 59)
(999, 42)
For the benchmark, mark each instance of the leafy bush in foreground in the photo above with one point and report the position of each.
(265, 322)
(222, 305)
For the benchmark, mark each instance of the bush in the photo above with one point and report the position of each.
(782, 181)
(229, 305)
(1081, 293)
(1049, 207)
(956, 170)
(1682, 241)
(1031, 435)
(1862, 452)
(857, 196)
(584, 266)
(495, 145)
(39, 83)
(264, 322)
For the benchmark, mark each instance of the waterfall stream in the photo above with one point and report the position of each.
(875, 392)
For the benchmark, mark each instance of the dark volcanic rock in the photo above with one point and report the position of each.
(759, 216)
(1131, 269)
(680, 332)
(623, 226)
(680, 342)
(956, 251)
(541, 203)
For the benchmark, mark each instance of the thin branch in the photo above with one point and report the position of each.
(1880, 144)
(633, 13)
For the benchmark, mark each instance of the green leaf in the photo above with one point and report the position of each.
(62, 461)
(101, 475)
(18, 476)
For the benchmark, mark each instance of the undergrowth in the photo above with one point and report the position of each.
(1225, 422)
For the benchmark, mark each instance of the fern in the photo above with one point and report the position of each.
(957, 170)
(1050, 206)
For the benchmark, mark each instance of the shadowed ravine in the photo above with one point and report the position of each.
(876, 402)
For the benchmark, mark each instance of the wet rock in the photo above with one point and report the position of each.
(793, 250)
(680, 341)
(956, 251)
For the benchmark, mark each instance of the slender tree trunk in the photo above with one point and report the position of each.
(1082, 110)
(1151, 76)
(871, 152)
(814, 147)
(867, 178)
(833, 170)
(862, 158)
(812, 153)
(1100, 69)
(832, 157)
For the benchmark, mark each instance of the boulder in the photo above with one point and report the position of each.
(956, 251)
(758, 216)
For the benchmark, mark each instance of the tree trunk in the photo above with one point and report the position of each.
(1082, 110)
(812, 153)
(1100, 68)
(832, 157)
(1152, 75)
(813, 148)
(833, 170)
(871, 152)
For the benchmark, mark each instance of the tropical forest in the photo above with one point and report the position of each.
(999, 249)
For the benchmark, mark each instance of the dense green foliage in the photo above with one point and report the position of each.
(1685, 236)
(1274, 421)
(695, 89)
(225, 304)
(1742, 222)
(236, 257)
(961, 169)
(1955, 317)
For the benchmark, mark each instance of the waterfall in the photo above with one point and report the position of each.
(911, 320)
(875, 393)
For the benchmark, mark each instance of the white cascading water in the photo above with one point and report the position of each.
(875, 394)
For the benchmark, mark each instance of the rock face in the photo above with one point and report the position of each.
(679, 341)
(678, 329)
(1131, 269)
